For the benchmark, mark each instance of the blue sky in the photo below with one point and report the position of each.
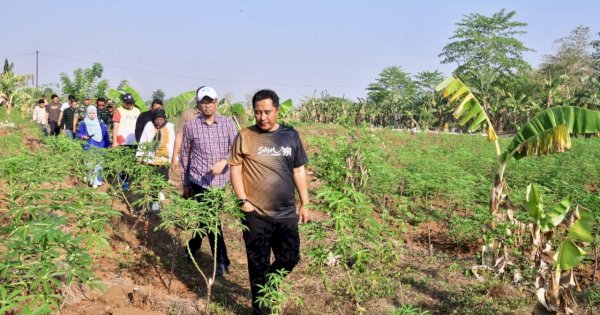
(297, 48)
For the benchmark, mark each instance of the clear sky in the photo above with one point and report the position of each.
(297, 48)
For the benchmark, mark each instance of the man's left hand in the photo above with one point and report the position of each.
(304, 214)
(218, 167)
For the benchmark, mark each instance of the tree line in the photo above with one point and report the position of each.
(485, 49)
(489, 58)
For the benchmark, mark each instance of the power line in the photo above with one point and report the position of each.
(18, 55)
(199, 78)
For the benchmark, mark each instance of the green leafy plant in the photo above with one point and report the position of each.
(276, 292)
(187, 215)
(468, 107)
(554, 288)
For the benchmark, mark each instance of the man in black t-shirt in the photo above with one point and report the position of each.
(145, 118)
(267, 164)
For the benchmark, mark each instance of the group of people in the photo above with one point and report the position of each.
(264, 163)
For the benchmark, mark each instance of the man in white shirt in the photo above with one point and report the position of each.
(39, 116)
(124, 119)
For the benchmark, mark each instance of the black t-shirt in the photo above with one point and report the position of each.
(53, 111)
(141, 122)
(268, 160)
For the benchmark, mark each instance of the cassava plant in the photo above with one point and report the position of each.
(190, 217)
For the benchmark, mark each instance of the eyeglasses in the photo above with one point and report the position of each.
(207, 103)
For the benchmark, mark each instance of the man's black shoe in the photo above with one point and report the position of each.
(221, 269)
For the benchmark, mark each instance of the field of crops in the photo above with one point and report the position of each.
(398, 225)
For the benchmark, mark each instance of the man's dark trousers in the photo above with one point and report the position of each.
(196, 242)
(262, 236)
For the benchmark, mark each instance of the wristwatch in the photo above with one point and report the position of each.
(241, 202)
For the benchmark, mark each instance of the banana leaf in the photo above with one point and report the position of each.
(555, 216)
(457, 93)
(534, 204)
(549, 131)
(139, 101)
(581, 230)
(179, 103)
(569, 255)
(115, 96)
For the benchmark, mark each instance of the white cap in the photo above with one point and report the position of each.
(206, 91)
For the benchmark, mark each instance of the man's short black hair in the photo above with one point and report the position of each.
(53, 96)
(40, 101)
(71, 98)
(157, 101)
(265, 94)
(100, 99)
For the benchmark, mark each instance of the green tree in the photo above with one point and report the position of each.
(596, 53)
(85, 82)
(8, 66)
(486, 48)
(431, 110)
(573, 54)
(391, 98)
(158, 94)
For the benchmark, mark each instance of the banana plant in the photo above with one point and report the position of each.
(116, 95)
(546, 133)
(175, 106)
(467, 108)
(553, 289)
(286, 110)
(236, 111)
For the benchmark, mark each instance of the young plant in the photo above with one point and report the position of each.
(553, 285)
(276, 292)
(187, 215)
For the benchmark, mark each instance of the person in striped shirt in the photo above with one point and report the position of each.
(205, 148)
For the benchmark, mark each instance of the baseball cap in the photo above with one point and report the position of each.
(127, 98)
(206, 91)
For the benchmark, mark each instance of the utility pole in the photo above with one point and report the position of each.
(36, 68)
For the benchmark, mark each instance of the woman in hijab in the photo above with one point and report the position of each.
(94, 132)
(156, 146)
(157, 142)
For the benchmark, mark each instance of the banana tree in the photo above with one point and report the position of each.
(236, 111)
(179, 103)
(553, 288)
(546, 133)
(116, 95)
(467, 108)
(11, 87)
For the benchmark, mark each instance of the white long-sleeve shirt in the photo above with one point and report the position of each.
(39, 115)
(148, 136)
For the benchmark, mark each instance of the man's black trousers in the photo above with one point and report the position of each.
(263, 235)
(196, 242)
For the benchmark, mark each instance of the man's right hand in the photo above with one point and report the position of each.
(248, 207)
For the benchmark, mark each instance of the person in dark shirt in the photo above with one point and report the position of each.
(103, 113)
(267, 165)
(67, 119)
(52, 116)
(145, 118)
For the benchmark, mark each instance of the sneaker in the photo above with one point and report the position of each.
(125, 186)
(155, 206)
(161, 196)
